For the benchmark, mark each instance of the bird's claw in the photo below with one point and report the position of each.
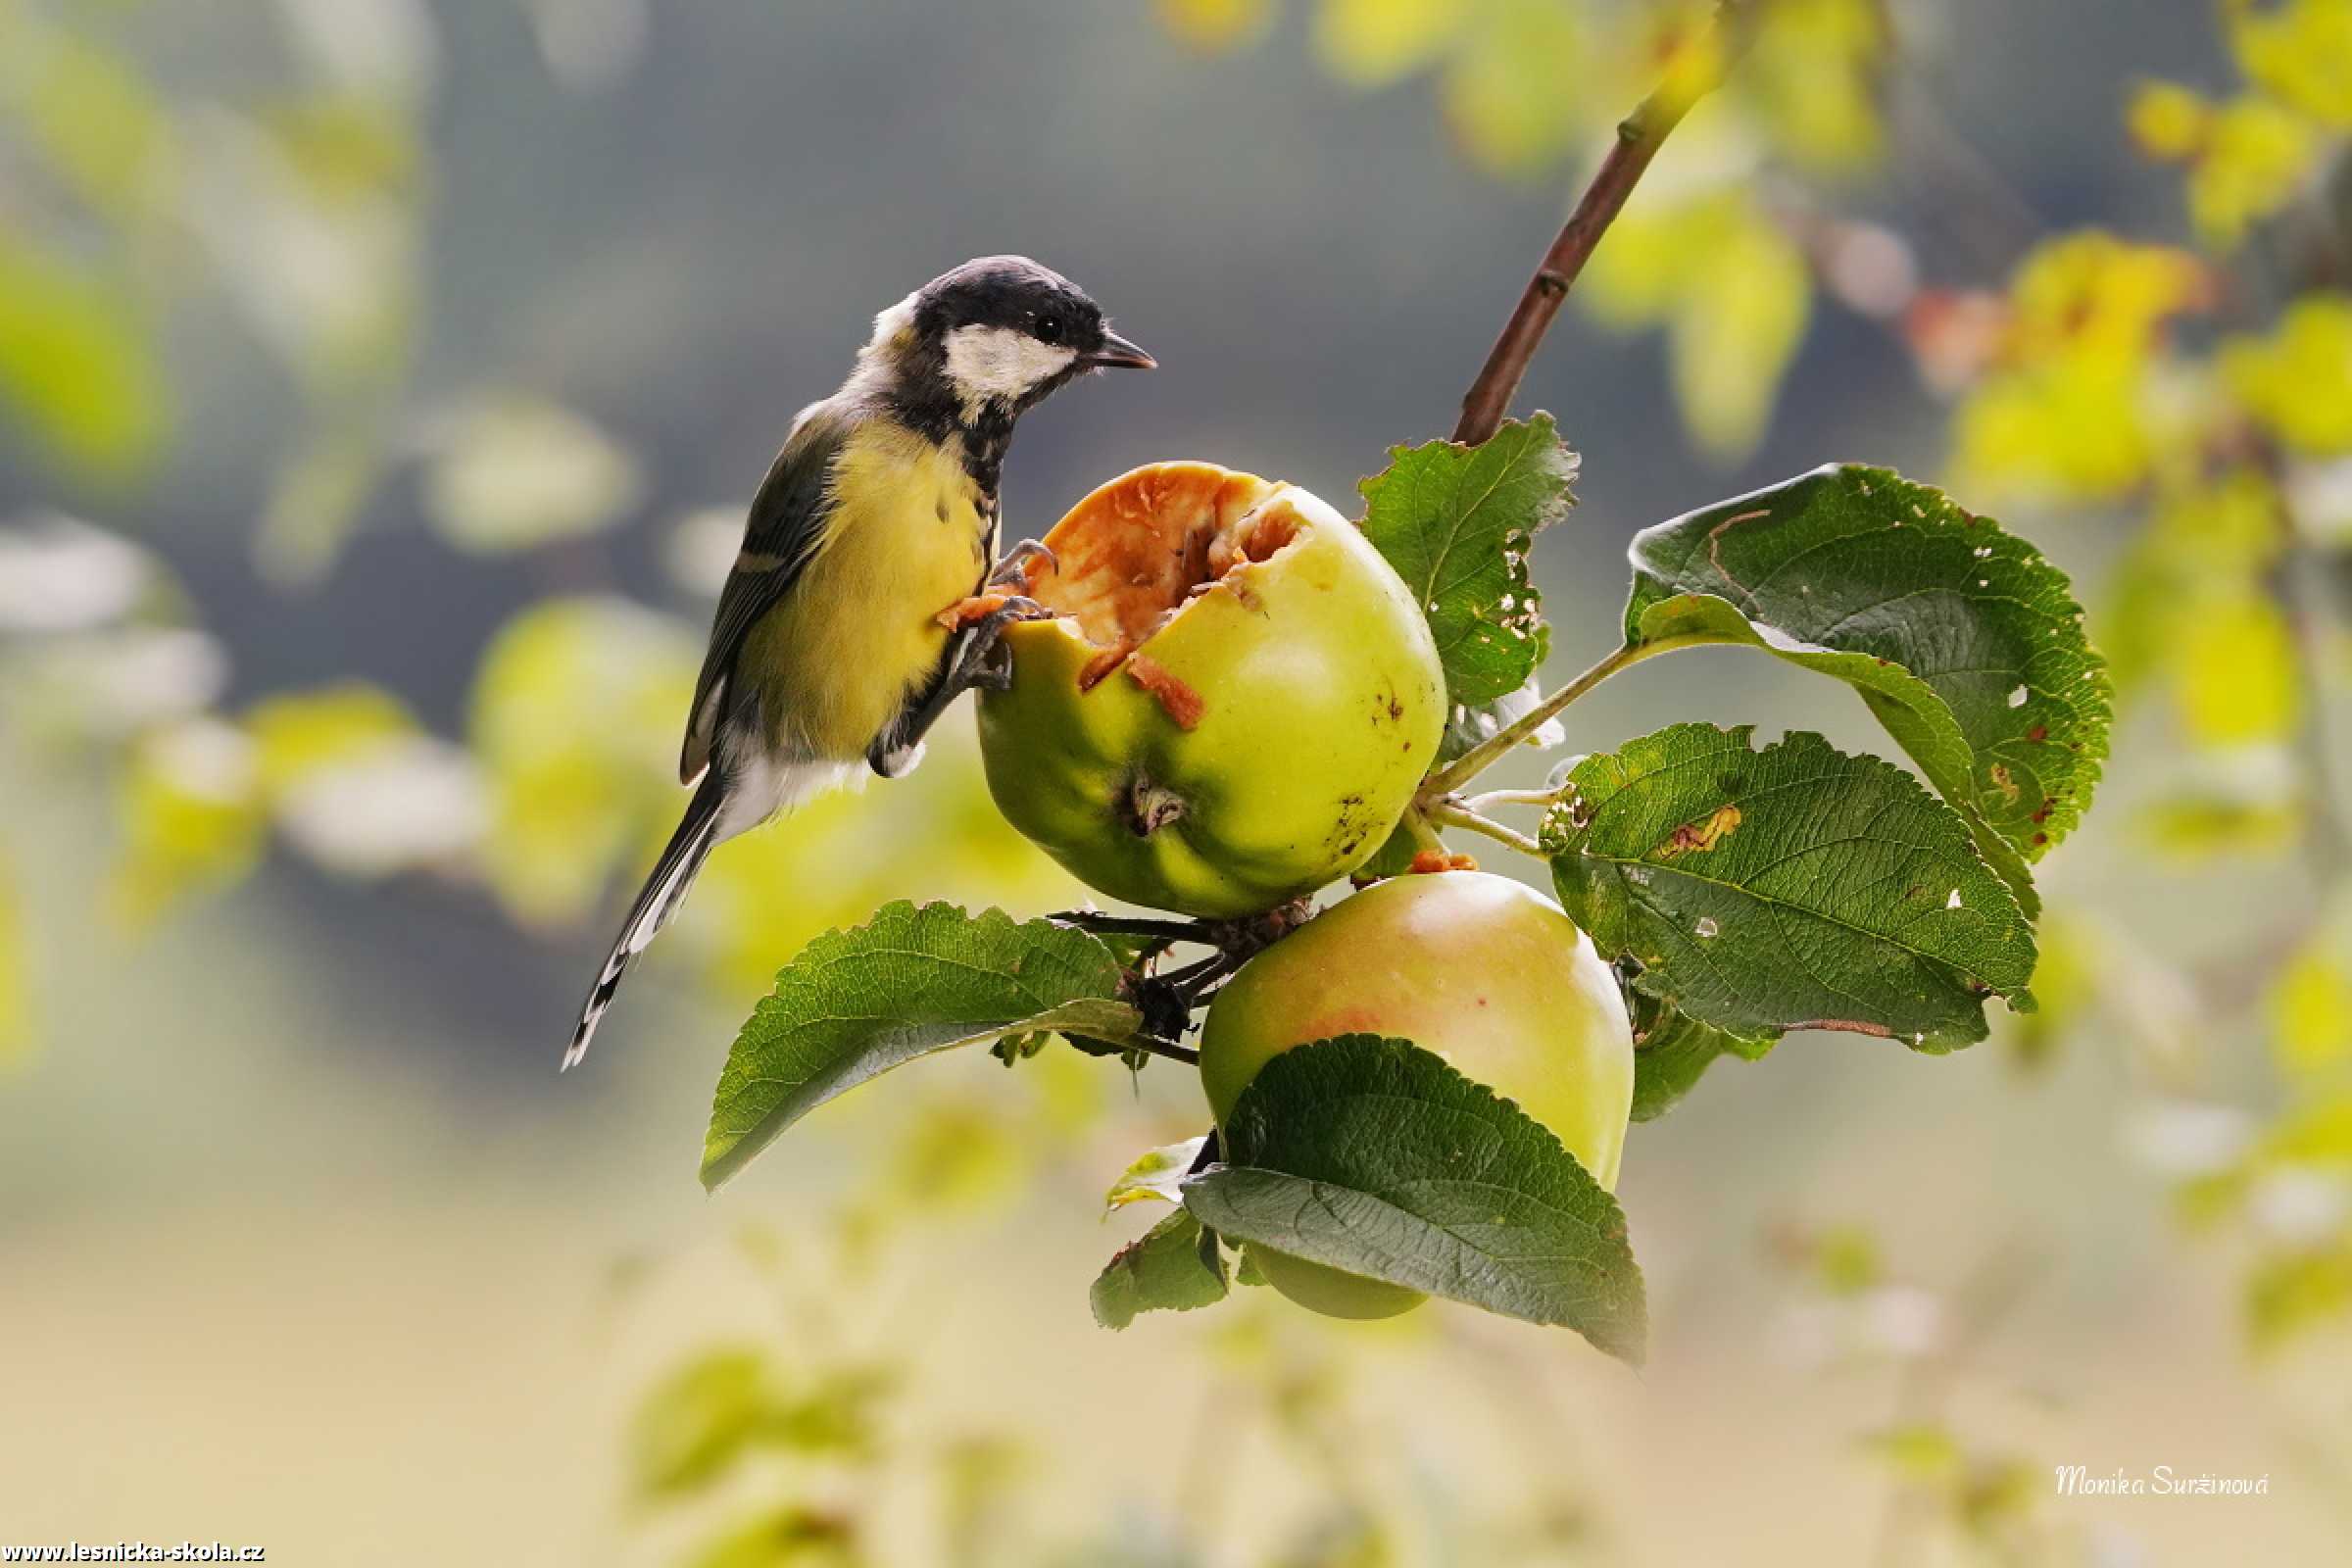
(1013, 572)
(993, 670)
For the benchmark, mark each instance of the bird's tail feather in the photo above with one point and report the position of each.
(664, 888)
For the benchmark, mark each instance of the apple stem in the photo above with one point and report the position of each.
(1474, 761)
(1452, 813)
(1482, 803)
(1701, 69)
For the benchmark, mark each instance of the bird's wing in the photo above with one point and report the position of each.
(786, 524)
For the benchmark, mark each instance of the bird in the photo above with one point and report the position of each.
(830, 651)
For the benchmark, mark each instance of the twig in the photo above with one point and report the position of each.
(1153, 1046)
(1124, 925)
(1469, 821)
(1462, 769)
(1640, 135)
(1193, 973)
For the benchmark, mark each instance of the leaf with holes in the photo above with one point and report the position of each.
(1792, 888)
(1376, 1157)
(911, 981)
(1455, 522)
(1961, 638)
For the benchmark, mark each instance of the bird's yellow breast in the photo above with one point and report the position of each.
(856, 636)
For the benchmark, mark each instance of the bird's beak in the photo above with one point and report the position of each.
(1119, 354)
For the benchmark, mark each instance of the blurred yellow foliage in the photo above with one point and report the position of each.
(1813, 71)
(2211, 540)
(2294, 1292)
(2254, 159)
(1370, 43)
(934, 834)
(576, 715)
(2236, 670)
(102, 130)
(515, 473)
(1215, 25)
(1733, 293)
(2068, 969)
(2066, 414)
(1508, 92)
(2094, 293)
(2311, 1007)
(2299, 51)
(336, 768)
(75, 363)
(298, 734)
(694, 1423)
(2168, 120)
(345, 145)
(1922, 1454)
(2297, 382)
(190, 817)
(2247, 804)
(2250, 157)
(1524, 83)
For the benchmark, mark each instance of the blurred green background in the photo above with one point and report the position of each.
(380, 385)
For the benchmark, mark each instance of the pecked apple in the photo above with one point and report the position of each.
(1233, 704)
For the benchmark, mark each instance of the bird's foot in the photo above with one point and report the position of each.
(982, 659)
(992, 671)
(1017, 568)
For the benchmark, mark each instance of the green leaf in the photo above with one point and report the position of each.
(1154, 1175)
(1794, 888)
(1375, 1156)
(1455, 522)
(1173, 1267)
(1964, 643)
(911, 981)
(1672, 1049)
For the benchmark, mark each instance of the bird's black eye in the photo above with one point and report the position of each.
(1048, 329)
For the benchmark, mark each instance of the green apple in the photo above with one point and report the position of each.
(1482, 971)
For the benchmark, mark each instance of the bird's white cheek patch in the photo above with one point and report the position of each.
(996, 362)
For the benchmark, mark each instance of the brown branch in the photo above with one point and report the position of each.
(1639, 138)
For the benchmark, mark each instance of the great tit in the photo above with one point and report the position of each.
(830, 653)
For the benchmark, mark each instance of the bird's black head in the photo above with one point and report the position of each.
(979, 345)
